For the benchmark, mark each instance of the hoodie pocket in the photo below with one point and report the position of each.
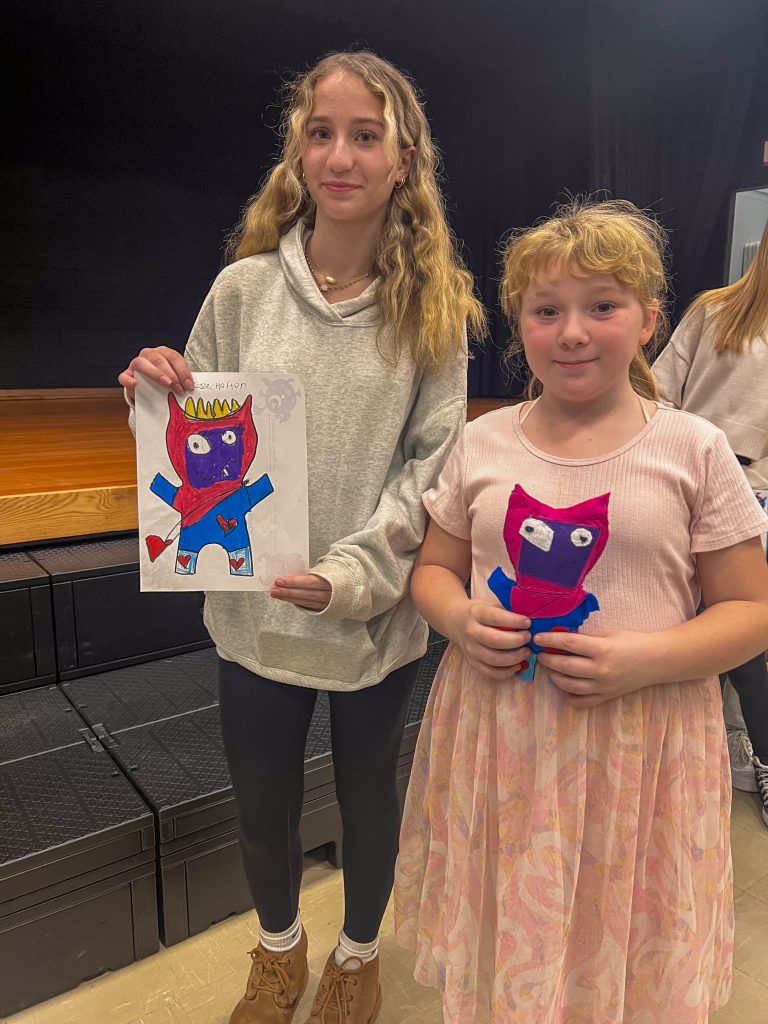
(276, 635)
(340, 650)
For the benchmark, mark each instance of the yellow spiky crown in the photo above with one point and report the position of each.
(214, 410)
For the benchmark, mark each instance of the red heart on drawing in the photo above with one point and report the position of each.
(236, 562)
(183, 560)
(156, 545)
(226, 524)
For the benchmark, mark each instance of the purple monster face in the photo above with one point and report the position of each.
(212, 456)
(556, 552)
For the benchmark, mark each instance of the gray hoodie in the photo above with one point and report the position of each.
(377, 437)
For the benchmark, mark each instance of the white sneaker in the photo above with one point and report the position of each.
(761, 777)
(743, 770)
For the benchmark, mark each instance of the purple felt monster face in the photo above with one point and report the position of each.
(214, 455)
(554, 546)
(555, 551)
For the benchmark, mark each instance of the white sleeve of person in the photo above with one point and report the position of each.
(673, 365)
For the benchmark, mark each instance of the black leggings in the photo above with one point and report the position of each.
(750, 681)
(265, 726)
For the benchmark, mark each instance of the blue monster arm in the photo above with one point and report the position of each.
(259, 491)
(589, 604)
(501, 586)
(164, 489)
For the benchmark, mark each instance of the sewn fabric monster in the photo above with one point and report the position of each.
(551, 551)
(211, 446)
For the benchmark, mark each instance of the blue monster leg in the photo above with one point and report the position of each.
(240, 563)
(186, 562)
(528, 673)
(547, 627)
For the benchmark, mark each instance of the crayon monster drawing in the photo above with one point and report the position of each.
(232, 494)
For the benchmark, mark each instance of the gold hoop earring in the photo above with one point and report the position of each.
(399, 184)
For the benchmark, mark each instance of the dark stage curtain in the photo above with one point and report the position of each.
(670, 88)
(136, 131)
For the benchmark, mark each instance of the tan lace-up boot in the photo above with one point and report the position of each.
(275, 985)
(350, 994)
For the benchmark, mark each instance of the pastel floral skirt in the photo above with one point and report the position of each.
(564, 866)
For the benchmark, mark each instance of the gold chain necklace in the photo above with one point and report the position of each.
(326, 283)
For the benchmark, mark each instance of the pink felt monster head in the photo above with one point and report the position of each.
(553, 549)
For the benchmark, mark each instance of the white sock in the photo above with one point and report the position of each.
(364, 951)
(281, 942)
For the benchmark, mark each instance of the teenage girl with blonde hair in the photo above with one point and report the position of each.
(716, 365)
(565, 843)
(345, 271)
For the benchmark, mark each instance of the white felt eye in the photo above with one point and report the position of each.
(229, 437)
(581, 538)
(198, 445)
(537, 532)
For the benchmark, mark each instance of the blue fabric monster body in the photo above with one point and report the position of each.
(502, 586)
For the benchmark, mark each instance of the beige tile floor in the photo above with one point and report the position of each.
(198, 981)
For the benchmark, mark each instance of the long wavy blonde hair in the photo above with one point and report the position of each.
(425, 293)
(587, 237)
(739, 310)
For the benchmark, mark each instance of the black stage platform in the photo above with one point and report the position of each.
(118, 820)
(77, 854)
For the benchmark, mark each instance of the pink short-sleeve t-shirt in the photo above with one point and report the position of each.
(675, 490)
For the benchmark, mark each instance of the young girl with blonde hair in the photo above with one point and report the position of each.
(565, 844)
(716, 365)
(345, 271)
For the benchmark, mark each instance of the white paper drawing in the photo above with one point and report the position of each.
(222, 482)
